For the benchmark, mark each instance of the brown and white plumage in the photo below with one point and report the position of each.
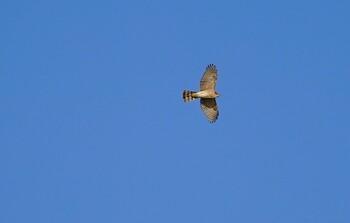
(207, 93)
(209, 78)
(210, 108)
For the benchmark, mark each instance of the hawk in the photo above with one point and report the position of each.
(207, 93)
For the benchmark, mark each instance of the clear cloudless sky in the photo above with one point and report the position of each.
(93, 127)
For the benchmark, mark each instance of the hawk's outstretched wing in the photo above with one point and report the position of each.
(208, 80)
(210, 108)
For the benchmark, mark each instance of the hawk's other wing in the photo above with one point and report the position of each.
(210, 108)
(208, 80)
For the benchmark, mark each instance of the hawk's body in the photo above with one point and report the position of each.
(207, 93)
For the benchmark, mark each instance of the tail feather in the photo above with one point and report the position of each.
(188, 95)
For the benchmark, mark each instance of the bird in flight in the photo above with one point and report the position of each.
(207, 93)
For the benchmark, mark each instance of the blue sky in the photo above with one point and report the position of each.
(93, 127)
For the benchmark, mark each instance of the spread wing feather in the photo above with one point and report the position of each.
(210, 109)
(209, 78)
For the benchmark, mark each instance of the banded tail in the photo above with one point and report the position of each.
(188, 95)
